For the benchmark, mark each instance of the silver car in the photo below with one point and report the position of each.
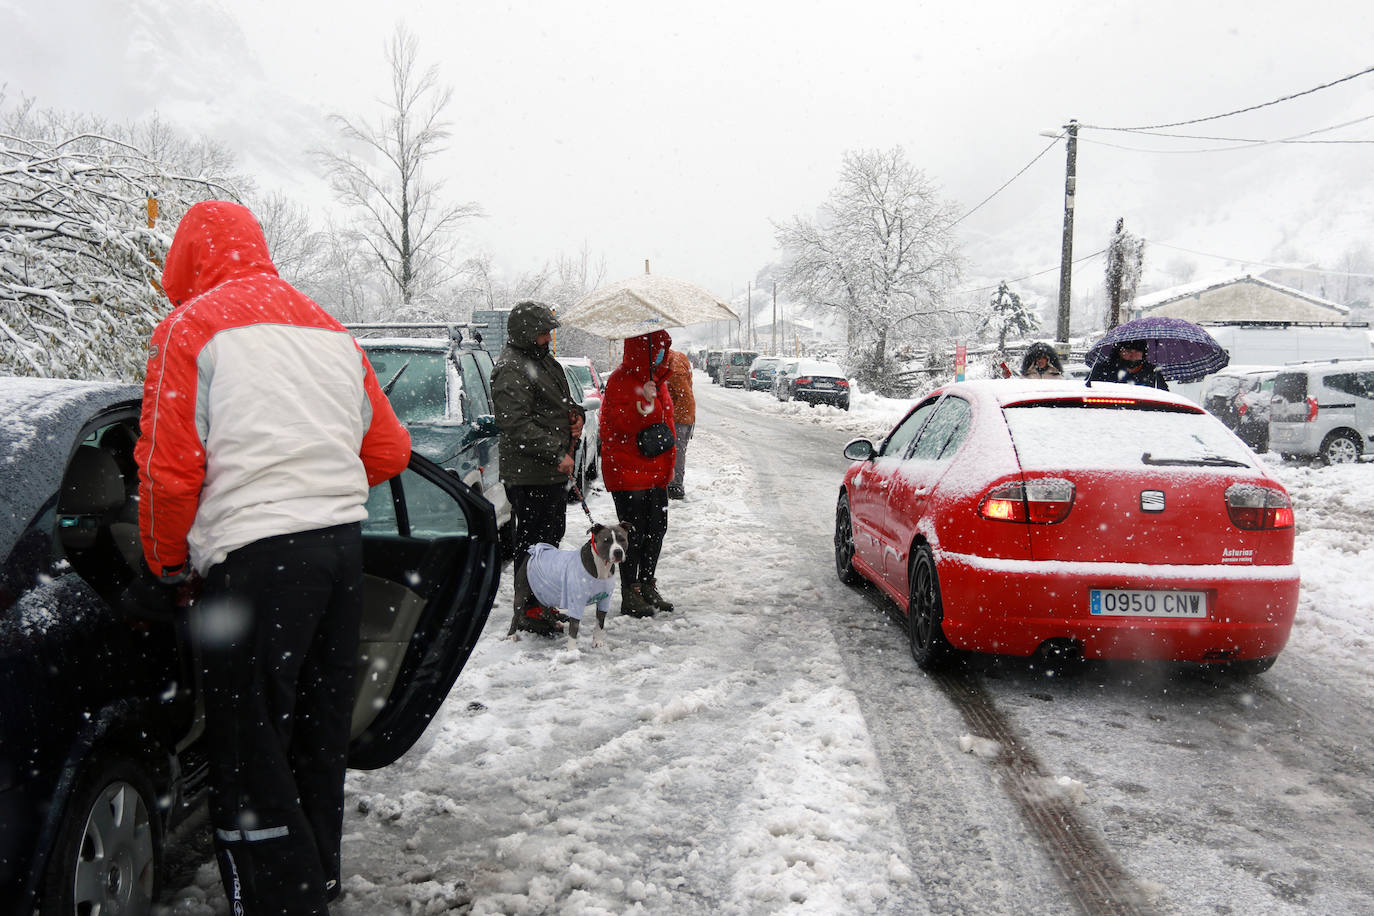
(1323, 410)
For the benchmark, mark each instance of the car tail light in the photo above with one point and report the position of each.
(802, 381)
(841, 383)
(1256, 508)
(1044, 501)
(1242, 408)
(1311, 410)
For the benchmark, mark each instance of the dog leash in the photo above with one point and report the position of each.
(582, 499)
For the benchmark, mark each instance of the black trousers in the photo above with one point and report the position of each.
(541, 516)
(276, 630)
(647, 512)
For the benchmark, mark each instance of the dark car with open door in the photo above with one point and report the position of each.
(101, 759)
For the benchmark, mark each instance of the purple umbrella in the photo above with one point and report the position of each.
(1183, 351)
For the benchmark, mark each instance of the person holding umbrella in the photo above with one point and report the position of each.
(1128, 365)
(1041, 361)
(638, 453)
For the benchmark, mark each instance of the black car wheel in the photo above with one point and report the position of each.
(925, 613)
(844, 543)
(108, 853)
(1340, 448)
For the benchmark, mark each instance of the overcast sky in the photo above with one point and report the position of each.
(678, 132)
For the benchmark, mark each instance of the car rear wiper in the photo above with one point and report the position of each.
(1206, 461)
(386, 389)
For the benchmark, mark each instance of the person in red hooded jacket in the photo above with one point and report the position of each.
(263, 427)
(637, 404)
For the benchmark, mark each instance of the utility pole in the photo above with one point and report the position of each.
(1066, 253)
(773, 350)
(749, 317)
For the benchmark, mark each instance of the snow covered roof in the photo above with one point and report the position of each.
(1160, 298)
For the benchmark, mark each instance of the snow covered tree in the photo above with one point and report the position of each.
(1125, 257)
(1007, 314)
(86, 211)
(403, 219)
(882, 253)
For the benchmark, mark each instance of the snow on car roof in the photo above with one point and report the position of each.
(40, 420)
(819, 367)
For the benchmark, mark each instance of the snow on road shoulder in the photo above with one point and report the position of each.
(711, 760)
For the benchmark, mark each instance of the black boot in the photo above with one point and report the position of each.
(649, 590)
(633, 603)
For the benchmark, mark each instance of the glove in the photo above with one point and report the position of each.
(148, 596)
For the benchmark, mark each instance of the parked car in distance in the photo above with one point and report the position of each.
(813, 381)
(1253, 408)
(440, 388)
(1323, 410)
(586, 373)
(761, 370)
(1239, 396)
(734, 368)
(1117, 522)
(713, 358)
(102, 758)
(587, 453)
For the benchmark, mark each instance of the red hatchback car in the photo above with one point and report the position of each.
(1115, 521)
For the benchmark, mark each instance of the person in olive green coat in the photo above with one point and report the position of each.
(539, 423)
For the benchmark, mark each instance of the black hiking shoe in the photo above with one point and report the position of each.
(649, 590)
(634, 604)
(675, 491)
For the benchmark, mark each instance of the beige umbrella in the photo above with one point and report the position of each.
(644, 303)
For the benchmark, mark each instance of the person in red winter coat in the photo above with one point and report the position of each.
(637, 458)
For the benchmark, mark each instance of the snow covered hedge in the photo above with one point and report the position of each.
(78, 260)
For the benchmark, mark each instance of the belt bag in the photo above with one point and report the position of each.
(655, 440)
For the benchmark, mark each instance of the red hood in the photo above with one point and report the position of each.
(640, 352)
(215, 241)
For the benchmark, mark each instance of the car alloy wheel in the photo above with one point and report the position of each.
(1341, 448)
(844, 543)
(925, 613)
(108, 851)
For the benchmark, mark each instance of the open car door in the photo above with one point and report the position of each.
(430, 576)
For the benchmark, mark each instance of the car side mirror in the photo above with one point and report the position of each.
(486, 426)
(860, 450)
(591, 404)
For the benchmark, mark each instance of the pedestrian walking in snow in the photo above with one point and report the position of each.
(684, 417)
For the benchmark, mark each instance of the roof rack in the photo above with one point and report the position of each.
(1247, 323)
(453, 330)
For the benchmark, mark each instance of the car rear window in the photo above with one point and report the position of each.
(1063, 435)
(1291, 386)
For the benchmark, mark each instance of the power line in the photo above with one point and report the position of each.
(1052, 145)
(1038, 273)
(1286, 98)
(1243, 143)
(1222, 257)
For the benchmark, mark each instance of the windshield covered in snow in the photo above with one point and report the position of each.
(1066, 434)
(414, 382)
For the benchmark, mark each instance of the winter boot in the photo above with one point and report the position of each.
(675, 491)
(650, 592)
(633, 603)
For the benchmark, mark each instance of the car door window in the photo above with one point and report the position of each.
(475, 400)
(409, 506)
(906, 431)
(945, 431)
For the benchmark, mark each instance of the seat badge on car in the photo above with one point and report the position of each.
(1151, 500)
